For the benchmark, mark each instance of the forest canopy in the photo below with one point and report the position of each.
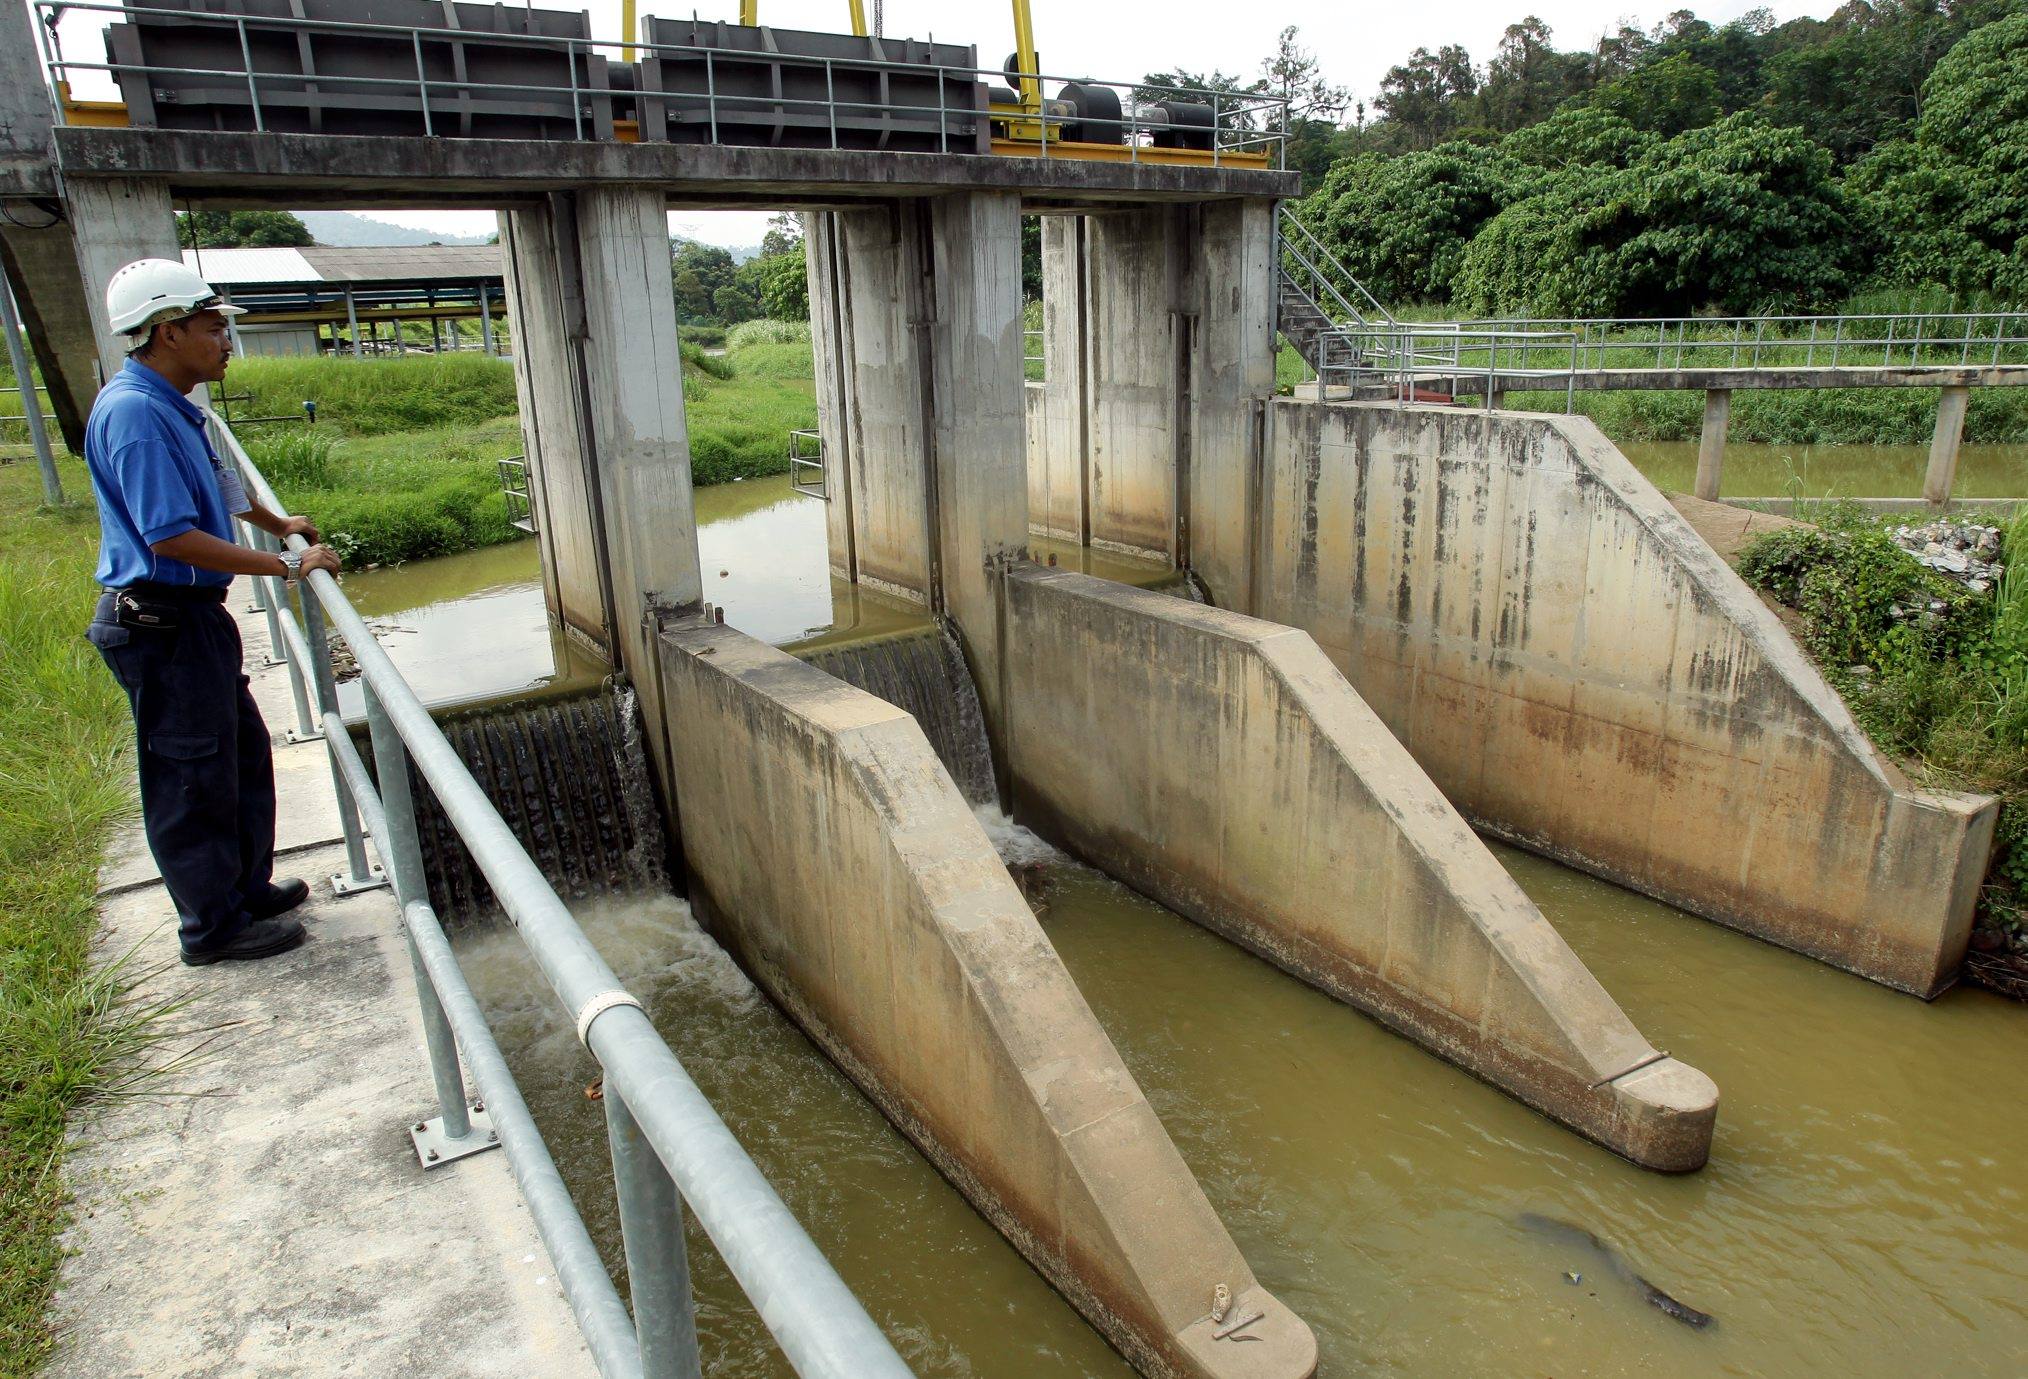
(1744, 167)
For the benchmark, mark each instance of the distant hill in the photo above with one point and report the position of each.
(347, 228)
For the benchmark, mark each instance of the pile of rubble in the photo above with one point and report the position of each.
(1965, 551)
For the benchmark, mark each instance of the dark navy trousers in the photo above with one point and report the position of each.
(207, 765)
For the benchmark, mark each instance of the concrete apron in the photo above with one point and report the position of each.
(892, 933)
(1224, 767)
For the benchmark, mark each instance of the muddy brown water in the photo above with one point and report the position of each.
(1833, 471)
(1863, 1213)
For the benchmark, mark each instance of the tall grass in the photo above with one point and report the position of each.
(739, 422)
(65, 1029)
(374, 397)
(764, 332)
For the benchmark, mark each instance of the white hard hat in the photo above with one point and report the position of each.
(148, 292)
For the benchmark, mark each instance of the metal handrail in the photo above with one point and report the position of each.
(515, 494)
(666, 1138)
(1908, 339)
(1231, 129)
(1314, 256)
(800, 461)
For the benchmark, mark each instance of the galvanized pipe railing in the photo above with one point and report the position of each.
(669, 1146)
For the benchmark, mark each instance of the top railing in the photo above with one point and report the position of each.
(1883, 340)
(665, 1137)
(1244, 129)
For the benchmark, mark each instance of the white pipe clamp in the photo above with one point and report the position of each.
(599, 1005)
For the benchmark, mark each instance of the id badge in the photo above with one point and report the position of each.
(232, 490)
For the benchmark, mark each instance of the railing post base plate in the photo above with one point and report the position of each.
(433, 1149)
(341, 884)
(293, 737)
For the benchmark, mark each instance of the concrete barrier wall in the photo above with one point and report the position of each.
(1223, 766)
(1581, 673)
(890, 930)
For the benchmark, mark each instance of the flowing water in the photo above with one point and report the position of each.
(1862, 1214)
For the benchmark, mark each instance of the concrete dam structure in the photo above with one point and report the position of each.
(1420, 621)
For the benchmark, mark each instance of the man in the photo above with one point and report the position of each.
(166, 557)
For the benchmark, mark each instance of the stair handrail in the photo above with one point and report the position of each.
(1315, 257)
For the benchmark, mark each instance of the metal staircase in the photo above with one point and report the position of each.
(1339, 328)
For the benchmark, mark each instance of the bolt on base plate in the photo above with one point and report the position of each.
(433, 1149)
(342, 884)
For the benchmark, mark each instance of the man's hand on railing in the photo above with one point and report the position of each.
(320, 558)
(300, 526)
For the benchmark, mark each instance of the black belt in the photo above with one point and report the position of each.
(175, 593)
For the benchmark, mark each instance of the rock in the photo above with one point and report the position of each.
(1859, 672)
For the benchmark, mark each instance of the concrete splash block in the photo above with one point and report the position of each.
(828, 848)
(1223, 766)
(1582, 674)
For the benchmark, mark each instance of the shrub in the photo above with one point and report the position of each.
(759, 332)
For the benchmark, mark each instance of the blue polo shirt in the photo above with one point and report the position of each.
(155, 476)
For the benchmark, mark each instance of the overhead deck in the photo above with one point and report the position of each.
(249, 169)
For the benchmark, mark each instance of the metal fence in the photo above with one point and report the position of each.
(1913, 339)
(1252, 125)
(668, 1145)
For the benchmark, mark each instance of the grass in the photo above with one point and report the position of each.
(1936, 674)
(382, 499)
(376, 397)
(740, 422)
(66, 1030)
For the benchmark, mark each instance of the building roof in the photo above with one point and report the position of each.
(318, 263)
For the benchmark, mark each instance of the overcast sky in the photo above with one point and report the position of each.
(1358, 41)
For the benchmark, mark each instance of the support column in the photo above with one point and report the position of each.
(116, 220)
(1160, 330)
(917, 334)
(486, 320)
(1711, 442)
(352, 324)
(1942, 474)
(598, 370)
(1059, 468)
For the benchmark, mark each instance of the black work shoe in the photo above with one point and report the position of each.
(261, 939)
(280, 899)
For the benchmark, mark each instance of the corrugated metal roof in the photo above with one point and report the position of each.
(246, 267)
(230, 268)
(421, 261)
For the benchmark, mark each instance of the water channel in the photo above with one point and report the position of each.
(1862, 1214)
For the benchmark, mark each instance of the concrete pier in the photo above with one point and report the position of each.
(917, 326)
(899, 943)
(1158, 332)
(1942, 474)
(1223, 766)
(598, 372)
(1581, 674)
(1711, 442)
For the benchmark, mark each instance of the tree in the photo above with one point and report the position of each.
(1578, 135)
(1740, 215)
(784, 236)
(1663, 97)
(1953, 201)
(1294, 74)
(1527, 77)
(784, 286)
(1424, 97)
(241, 230)
(1400, 225)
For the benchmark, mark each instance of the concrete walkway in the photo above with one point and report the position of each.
(261, 1211)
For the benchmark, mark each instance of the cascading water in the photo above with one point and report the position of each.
(924, 672)
(571, 780)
